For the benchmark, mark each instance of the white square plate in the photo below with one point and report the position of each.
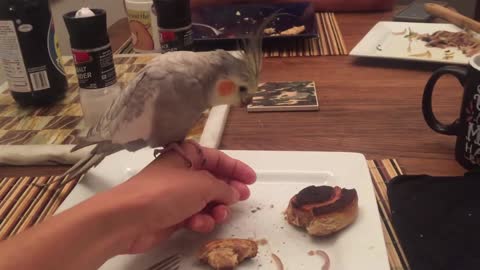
(381, 42)
(280, 176)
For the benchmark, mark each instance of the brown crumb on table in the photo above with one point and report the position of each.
(311, 253)
(256, 210)
(272, 206)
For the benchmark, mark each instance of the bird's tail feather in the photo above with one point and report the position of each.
(98, 153)
(101, 150)
(85, 143)
(84, 165)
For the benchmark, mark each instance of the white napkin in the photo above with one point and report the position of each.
(40, 154)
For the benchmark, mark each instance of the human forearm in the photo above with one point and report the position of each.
(135, 216)
(83, 237)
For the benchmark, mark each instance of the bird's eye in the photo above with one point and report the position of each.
(243, 89)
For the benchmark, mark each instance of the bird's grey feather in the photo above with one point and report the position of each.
(180, 86)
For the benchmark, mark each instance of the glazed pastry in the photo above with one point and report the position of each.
(323, 210)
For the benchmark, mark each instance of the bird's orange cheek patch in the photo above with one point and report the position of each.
(225, 87)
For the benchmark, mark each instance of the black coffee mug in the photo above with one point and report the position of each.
(467, 128)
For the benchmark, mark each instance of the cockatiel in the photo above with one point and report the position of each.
(160, 106)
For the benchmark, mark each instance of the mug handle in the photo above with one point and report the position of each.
(433, 123)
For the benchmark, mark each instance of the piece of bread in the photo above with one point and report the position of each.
(323, 210)
(227, 253)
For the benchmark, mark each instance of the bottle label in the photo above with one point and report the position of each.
(54, 48)
(176, 40)
(12, 59)
(95, 67)
(141, 29)
(39, 78)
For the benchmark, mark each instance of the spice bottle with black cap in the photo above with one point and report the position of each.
(93, 60)
(29, 52)
(174, 25)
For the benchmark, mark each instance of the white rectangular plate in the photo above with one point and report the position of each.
(395, 46)
(280, 176)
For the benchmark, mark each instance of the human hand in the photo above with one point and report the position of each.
(166, 195)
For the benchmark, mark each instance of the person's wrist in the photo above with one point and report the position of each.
(121, 216)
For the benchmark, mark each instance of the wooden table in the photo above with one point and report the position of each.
(371, 107)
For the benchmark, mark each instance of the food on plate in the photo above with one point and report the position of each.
(289, 32)
(323, 210)
(227, 253)
(448, 55)
(426, 54)
(293, 31)
(269, 31)
(464, 41)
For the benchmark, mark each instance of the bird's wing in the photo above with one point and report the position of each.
(102, 130)
(170, 78)
(134, 121)
(130, 117)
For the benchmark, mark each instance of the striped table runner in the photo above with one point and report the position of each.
(382, 172)
(329, 42)
(22, 204)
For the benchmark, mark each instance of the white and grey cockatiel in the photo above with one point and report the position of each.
(166, 99)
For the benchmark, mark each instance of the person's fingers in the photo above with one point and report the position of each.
(216, 190)
(220, 213)
(213, 160)
(201, 223)
(243, 190)
(224, 166)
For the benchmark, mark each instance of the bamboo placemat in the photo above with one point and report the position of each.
(23, 205)
(329, 42)
(382, 171)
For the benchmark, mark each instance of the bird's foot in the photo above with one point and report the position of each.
(199, 150)
(176, 147)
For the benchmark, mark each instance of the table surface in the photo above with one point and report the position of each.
(367, 106)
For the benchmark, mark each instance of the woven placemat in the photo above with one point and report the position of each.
(62, 122)
(329, 42)
(382, 172)
(23, 205)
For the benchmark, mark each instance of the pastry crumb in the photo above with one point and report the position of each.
(293, 31)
